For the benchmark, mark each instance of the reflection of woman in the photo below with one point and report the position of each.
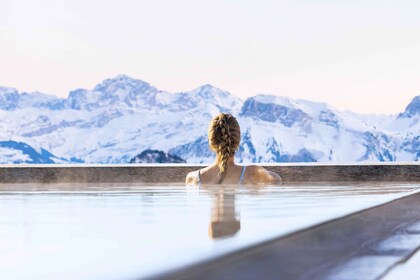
(224, 136)
(223, 219)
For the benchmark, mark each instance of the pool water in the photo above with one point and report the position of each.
(131, 231)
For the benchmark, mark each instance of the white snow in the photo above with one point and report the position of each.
(113, 130)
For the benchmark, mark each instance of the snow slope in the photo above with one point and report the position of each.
(122, 117)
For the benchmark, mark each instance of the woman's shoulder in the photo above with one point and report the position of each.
(203, 174)
(260, 175)
(193, 178)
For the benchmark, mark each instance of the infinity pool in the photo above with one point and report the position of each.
(129, 231)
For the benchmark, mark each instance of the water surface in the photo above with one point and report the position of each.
(126, 231)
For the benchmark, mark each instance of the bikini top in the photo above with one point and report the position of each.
(240, 179)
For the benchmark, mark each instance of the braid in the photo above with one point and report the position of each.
(224, 151)
(224, 136)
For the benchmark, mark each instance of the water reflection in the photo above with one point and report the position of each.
(124, 231)
(224, 220)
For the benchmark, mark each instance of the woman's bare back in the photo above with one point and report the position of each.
(253, 175)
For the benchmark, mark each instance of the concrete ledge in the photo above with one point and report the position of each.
(175, 173)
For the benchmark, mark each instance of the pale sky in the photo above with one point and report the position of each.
(361, 55)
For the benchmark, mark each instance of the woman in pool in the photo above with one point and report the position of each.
(224, 136)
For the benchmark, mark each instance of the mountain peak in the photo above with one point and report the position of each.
(8, 90)
(208, 86)
(9, 98)
(122, 76)
(121, 81)
(272, 108)
(121, 90)
(206, 90)
(279, 100)
(412, 109)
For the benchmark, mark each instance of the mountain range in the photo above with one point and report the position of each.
(122, 117)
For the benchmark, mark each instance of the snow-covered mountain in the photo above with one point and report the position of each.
(122, 117)
(156, 156)
(17, 152)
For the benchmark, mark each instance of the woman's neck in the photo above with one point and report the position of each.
(230, 161)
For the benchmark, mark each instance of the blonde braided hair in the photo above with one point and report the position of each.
(224, 137)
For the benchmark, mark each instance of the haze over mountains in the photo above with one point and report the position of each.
(123, 117)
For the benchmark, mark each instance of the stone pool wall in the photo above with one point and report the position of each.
(175, 173)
